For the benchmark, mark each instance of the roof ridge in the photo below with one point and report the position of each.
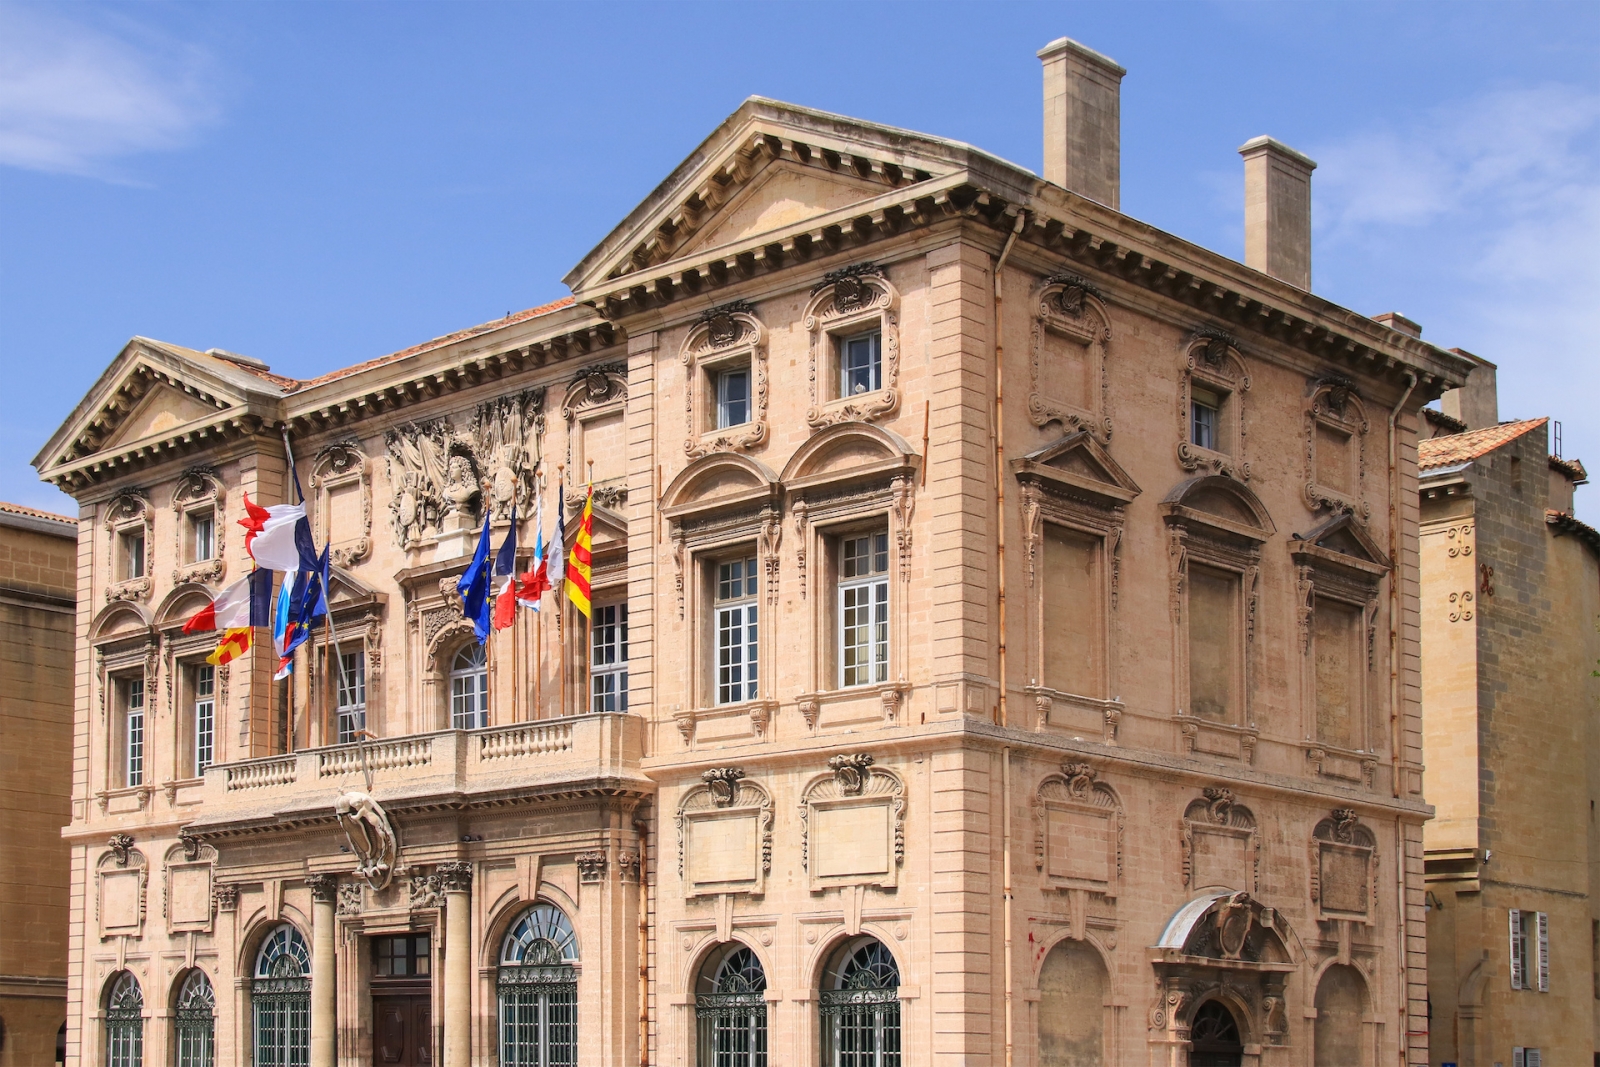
(1463, 447)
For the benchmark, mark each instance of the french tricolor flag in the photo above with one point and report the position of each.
(505, 572)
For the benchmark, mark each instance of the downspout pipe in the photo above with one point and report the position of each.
(1000, 561)
(1403, 949)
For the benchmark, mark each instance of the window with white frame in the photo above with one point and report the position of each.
(1523, 1056)
(861, 363)
(1205, 410)
(202, 535)
(132, 741)
(608, 658)
(469, 689)
(352, 696)
(737, 631)
(205, 717)
(733, 397)
(1530, 950)
(132, 542)
(863, 610)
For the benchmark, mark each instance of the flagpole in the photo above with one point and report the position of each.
(561, 637)
(538, 622)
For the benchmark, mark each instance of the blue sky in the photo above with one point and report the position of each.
(317, 184)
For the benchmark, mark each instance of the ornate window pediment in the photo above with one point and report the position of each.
(1221, 843)
(725, 835)
(1215, 375)
(1078, 467)
(1078, 824)
(852, 825)
(199, 497)
(1219, 506)
(130, 528)
(1067, 378)
(1344, 868)
(341, 493)
(727, 340)
(594, 408)
(1336, 427)
(854, 300)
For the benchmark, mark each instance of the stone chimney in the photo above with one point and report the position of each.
(1396, 321)
(1277, 210)
(1476, 403)
(1082, 121)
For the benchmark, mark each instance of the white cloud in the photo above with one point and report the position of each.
(74, 95)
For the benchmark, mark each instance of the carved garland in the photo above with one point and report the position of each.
(124, 512)
(1334, 403)
(1213, 360)
(198, 489)
(334, 467)
(725, 336)
(847, 299)
(1070, 307)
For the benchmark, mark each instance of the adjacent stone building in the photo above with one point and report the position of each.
(1005, 647)
(38, 581)
(1510, 606)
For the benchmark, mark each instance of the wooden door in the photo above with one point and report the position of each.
(402, 1031)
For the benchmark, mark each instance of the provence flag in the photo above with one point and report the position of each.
(578, 562)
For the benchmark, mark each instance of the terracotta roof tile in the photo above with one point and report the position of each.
(1564, 522)
(35, 513)
(1572, 468)
(1465, 447)
(437, 342)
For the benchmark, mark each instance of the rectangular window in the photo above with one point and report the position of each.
(1339, 670)
(608, 663)
(1213, 643)
(205, 717)
(133, 733)
(202, 530)
(132, 555)
(864, 610)
(352, 696)
(469, 689)
(1530, 950)
(400, 957)
(1072, 619)
(1205, 407)
(733, 398)
(1522, 1056)
(737, 631)
(860, 363)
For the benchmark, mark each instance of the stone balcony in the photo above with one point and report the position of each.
(582, 755)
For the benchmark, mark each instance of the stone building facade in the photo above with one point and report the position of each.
(38, 581)
(1510, 605)
(1005, 646)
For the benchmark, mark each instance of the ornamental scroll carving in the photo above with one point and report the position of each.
(851, 300)
(724, 835)
(1067, 379)
(339, 471)
(1212, 362)
(129, 512)
(725, 338)
(1221, 843)
(1336, 427)
(1078, 831)
(1344, 867)
(198, 490)
(852, 825)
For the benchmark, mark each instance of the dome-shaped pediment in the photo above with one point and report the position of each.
(119, 619)
(1222, 503)
(722, 479)
(850, 451)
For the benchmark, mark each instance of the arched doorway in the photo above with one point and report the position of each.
(1072, 994)
(280, 1000)
(1214, 1037)
(1341, 1002)
(730, 1008)
(125, 1022)
(538, 990)
(860, 1006)
(194, 1022)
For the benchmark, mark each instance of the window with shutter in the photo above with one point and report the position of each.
(1517, 979)
(1533, 1057)
(1544, 953)
(1519, 1057)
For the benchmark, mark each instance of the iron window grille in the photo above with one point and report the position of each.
(608, 661)
(733, 1018)
(737, 631)
(195, 1022)
(280, 998)
(861, 1016)
(125, 1023)
(537, 990)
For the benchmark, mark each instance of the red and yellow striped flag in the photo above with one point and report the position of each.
(235, 643)
(578, 562)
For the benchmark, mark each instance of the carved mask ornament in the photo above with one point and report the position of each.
(723, 783)
(851, 773)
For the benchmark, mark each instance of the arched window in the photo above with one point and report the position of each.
(538, 988)
(1341, 1005)
(1072, 994)
(731, 1006)
(860, 1004)
(1214, 1037)
(195, 1021)
(469, 689)
(280, 995)
(125, 1023)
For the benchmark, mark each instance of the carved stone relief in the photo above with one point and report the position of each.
(424, 483)
(338, 470)
(726, 337)
(1221, 844)
(1078, 827)
(1213, 362)
(724, 835)
(122, 882)
(1067, 379)
(1336, 427)
(848, 300)
(852, 825)
(505, 434)
(1344, 867)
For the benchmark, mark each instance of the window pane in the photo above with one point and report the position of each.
(205, 711)
(608, 663)
(134, 742)
(860, 369)
(733, 397)
(352, 695)
(202, 537)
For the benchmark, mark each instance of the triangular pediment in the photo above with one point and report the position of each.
(767, 170)
(1343, 539)
(153, 394)
(1078, 463)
